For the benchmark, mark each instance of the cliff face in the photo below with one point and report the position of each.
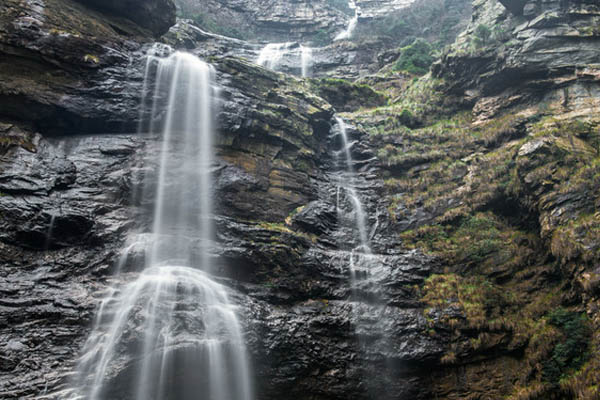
(283, 21)
(277, 21)
(491, 168)
(479, 183)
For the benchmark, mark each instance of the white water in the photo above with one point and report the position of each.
(346, 184)
(273, 54)
(172, 333)
(347, 33)
(306, 60)
(270, 56)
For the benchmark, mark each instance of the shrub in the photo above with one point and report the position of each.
(482, 36)
(406, 118)
(571, 352)
(415, 58)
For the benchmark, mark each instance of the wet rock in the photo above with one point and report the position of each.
(316, 217)
(85, 58)
(156, 15)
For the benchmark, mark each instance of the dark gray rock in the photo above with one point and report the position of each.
(156, 15)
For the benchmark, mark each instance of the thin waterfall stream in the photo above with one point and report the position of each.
(173, 330)
(347, 184)
(366, 268)
(347, 33)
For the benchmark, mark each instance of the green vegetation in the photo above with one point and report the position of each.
(484, 37)
(510, 205)
(571, 351)
(415, 58)
(345, 95)
(481, 241)
(477, 297)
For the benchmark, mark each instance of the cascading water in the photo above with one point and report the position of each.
(273, 54)
(306, 60)
(173, 332)
(270, 56)
(367, 270)
(346, 184)
(347, 33)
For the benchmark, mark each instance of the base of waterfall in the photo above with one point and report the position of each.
(170, 334)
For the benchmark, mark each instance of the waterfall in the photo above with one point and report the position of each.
(346, 183)
(347, 33)
(270, 56)
(273, 54)
(367, 269)
(172, 333)
(306, 61)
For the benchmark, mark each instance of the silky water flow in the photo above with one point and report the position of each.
(172, 333)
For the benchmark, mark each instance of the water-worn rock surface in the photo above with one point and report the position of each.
(479, 183)
(68, 208)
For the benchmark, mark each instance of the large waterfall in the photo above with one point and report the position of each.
(172, 333)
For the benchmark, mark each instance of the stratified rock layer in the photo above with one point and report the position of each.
(156, 15)
(480, 186)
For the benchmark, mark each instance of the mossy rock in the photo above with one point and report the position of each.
(347, 96)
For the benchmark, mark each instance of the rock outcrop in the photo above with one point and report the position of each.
(156, 15)
(550, 46)
(272, 20)
(67, 68)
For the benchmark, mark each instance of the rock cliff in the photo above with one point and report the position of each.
(479, 181)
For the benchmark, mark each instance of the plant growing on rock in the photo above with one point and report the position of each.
(481, 36)
(415, 58)
(571, 351)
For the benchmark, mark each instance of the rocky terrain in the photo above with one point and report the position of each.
(479, 180)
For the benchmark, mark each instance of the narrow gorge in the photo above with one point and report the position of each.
(294, 199)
